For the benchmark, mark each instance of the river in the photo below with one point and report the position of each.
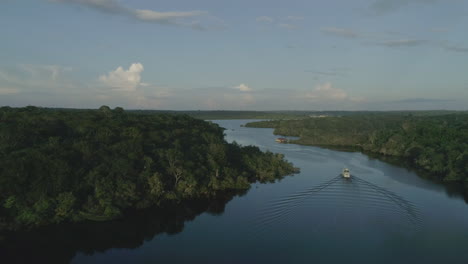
(383, 214)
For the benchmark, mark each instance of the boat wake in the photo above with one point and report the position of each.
(341, 199)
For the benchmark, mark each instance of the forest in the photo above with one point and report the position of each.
(292, 114)
(437, 144)
(271, 115)
(60, 165)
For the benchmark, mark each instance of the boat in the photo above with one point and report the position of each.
(281, 140)
(346, 173)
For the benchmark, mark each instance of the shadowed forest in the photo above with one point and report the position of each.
(437, 144)
(68, 166)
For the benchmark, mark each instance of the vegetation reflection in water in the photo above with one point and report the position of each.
(60, 244)
(316, 196)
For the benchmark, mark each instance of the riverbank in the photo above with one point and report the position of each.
(69, 166)
(434, 144)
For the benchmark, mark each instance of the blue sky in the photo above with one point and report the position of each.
(231, 55)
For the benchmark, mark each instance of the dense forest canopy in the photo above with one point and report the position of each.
(59, 166)
(284, 114)
(435, 143)
(280, 114)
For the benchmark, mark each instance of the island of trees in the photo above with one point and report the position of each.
(437, 144)
(68, 166)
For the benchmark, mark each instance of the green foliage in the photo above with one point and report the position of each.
(436, 143)
(72, 165)
(226, 114)
(10, 202)
(65, 206)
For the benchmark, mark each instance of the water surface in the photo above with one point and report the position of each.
(383, 214)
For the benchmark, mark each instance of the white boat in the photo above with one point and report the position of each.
(346, 173)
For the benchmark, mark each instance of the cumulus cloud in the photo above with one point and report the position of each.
(243, 88)
(127, 89)
(265, 19)
(327, 92)
(125, 80)
(52, 85)
(145, 15)
(340, 32)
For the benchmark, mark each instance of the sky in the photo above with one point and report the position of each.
(235, 55)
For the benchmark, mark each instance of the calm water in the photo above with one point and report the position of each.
(384, 214)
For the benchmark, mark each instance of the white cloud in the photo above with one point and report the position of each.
(127, 89)
(243, 88)
(107, 6)
(116, 8)
(164, 17)
(327, 92)
(125, 80)
(47, 85)
(265, 19)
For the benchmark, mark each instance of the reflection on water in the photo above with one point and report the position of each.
(454, 189)
(60, 244)
(348, 197)
(383, 214)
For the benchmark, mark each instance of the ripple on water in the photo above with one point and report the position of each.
(340, 201)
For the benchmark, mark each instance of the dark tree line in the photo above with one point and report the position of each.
(63, 241)
(59, 166)
(437, 144)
